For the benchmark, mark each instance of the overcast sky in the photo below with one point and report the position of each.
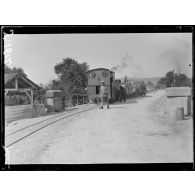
(133, 55)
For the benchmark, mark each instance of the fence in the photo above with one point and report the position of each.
(13, 113)
(76, 99)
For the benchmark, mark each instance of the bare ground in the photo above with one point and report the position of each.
(135, 132)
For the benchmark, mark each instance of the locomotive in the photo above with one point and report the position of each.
(95, 76)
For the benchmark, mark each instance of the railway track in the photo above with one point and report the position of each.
(57, 115)
(25, 132)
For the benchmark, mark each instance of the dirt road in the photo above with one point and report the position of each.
(134, 132)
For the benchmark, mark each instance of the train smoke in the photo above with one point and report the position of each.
(128, 65)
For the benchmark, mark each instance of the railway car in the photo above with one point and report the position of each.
(95, 76)
(116, 90)
(127, 85)
(132, 88)
(139, 88)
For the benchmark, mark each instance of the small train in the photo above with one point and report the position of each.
(131, 88)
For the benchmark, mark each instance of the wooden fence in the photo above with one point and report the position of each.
(13, 113)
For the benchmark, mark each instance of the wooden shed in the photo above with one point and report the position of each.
(15, 83)
(19, 83)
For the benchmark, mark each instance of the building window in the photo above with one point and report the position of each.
(92, 75)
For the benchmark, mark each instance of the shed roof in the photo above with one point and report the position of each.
(178, 91)
(11, 76)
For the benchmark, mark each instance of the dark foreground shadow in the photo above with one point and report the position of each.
(189, 166)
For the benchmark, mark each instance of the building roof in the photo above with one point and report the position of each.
(178, 91)
(99, 69)
(11, 76)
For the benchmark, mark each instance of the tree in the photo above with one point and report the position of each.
(161, 84)
(150, 84)
(55, 85)
(72, 76)
(41, 85)
(19, 70)
(170, 78)
(7, 69)
(182, 80)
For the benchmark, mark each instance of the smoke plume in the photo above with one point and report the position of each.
(128, 66)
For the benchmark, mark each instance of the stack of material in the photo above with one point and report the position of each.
(178, 97)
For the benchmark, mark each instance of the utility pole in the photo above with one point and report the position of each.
(179, 69)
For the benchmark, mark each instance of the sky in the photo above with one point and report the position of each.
(133, 55)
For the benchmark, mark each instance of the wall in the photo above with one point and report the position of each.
(179, 96)
(180, 101)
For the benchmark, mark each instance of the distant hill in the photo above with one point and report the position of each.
(152, 79)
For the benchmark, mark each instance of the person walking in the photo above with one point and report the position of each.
(104, 95)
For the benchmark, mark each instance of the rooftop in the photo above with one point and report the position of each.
(25, 81)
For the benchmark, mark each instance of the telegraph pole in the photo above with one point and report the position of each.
(173, 79)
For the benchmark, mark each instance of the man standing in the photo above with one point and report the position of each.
(123, 94)
(104, 95)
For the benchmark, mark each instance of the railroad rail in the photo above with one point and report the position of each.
(25, 132)
(57, 115)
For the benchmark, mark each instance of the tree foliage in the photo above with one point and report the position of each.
(182, 80)
(176, 80)
(149, 84)
(19, 70)
(169, 78)
(72, 76)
